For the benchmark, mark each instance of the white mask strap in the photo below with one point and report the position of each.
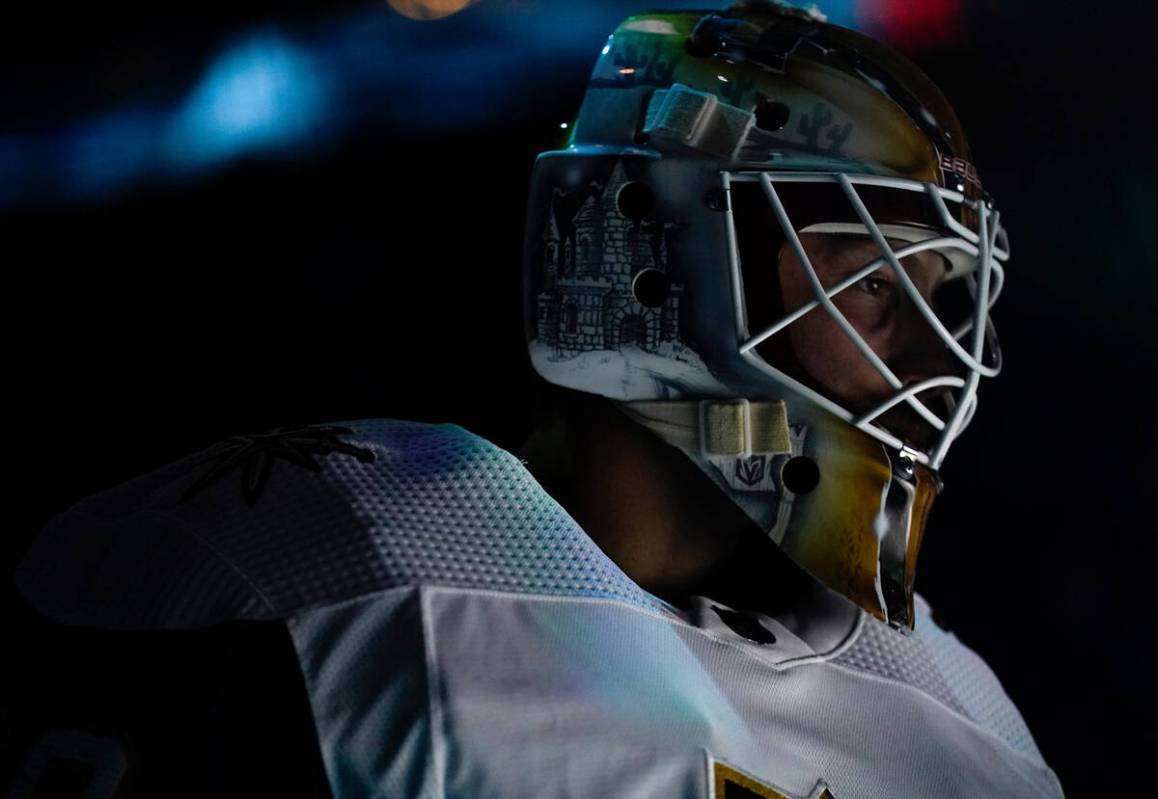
(735, 428)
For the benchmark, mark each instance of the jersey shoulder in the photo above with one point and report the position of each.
(262, 526)
(935, 662)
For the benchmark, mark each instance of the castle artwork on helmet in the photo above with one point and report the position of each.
(606, 299)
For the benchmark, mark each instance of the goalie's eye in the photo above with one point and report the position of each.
(875, 285)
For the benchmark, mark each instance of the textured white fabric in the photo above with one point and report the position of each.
(438, 504)
(904, 659)
(570, 696)
(975, 686)
(462, 636)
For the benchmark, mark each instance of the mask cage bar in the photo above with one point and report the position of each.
(986, 281)
(980, 331)
(868, 269)
(830, 307)
(984, 266)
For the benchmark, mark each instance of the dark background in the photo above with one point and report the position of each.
(359, 256)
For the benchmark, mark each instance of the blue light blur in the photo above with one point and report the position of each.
(111, 152)
(262, 94)
(274, 93)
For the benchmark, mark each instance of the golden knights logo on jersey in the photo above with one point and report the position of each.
(730, 783)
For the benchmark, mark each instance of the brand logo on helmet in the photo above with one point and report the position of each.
(750, 470)
(962, 168)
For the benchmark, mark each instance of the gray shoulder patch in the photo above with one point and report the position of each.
(391, 503)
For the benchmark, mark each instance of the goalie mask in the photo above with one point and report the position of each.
(766, 240)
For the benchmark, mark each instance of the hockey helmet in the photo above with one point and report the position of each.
(710, 150)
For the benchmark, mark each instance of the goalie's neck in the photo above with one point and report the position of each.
(654, 513)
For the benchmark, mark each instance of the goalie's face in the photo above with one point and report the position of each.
(880, 311)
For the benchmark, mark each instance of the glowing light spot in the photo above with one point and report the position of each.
(563, 126)
(627, 71)
(914, 27)
(722, 78)
(606, 49)
(262, 93)
(425, 10)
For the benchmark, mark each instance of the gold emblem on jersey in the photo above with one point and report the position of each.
(731, 783)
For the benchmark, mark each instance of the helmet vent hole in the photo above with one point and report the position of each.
(635, 200)
(800, 475)
(771, 115)
(651, 288)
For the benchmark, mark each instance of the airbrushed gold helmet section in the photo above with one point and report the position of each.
(840, 114)
(870, 128)
(831, 530)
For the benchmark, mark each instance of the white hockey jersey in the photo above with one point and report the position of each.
(461, 636)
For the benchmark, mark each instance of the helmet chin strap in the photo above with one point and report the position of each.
(734, 442)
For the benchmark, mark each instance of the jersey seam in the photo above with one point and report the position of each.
(425, 588)
(188, 530)
(205, 542)
(673, 620)
(437, 716)
(326, 604)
